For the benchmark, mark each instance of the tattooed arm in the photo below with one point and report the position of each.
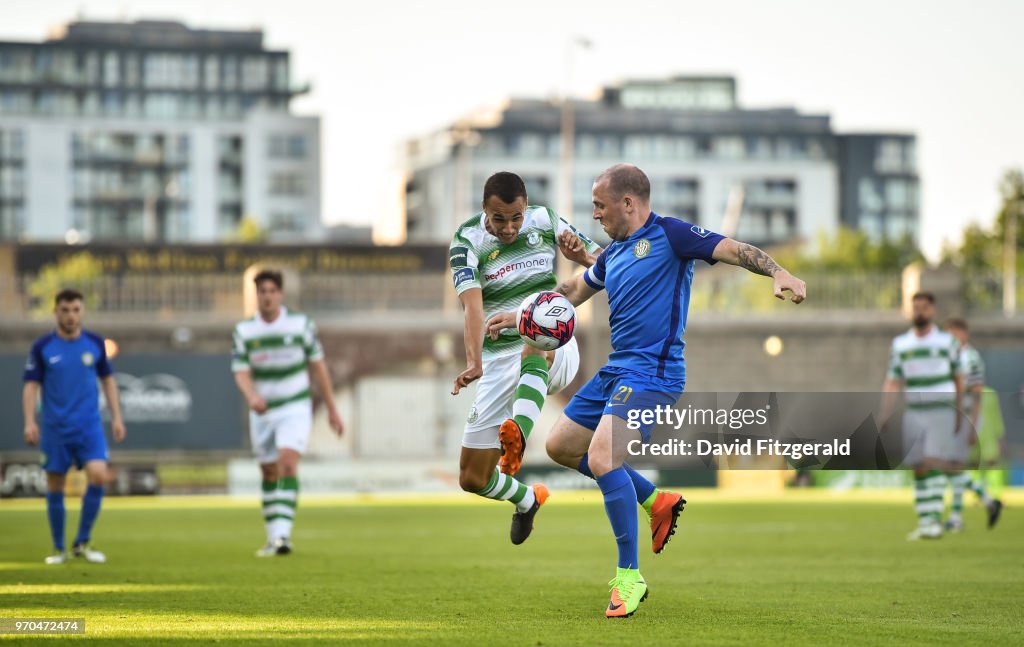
(755, 260)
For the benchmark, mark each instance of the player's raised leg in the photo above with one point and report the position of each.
(567, 445)
(607, 452)
(531, 391)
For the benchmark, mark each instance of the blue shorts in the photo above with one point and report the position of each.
(619, 392)
(61, 450)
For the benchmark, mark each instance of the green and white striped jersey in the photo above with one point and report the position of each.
(507, 274)
(277, 354)
(927, 366)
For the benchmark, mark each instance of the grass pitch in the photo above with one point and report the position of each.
(801, 569)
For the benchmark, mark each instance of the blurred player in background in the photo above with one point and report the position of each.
(273, 356)
(972, 368)
(647, 271)
(65, 365)
(925, 364)
(498, 258)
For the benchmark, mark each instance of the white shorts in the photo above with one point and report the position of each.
(495, 393)
(286, 427)
(928, 433)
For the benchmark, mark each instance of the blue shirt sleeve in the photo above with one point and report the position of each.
(690, 241)
(35, 365)
(103, 366)
(594, 276)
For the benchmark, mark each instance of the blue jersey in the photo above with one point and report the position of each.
(648, 279)
(67, 369)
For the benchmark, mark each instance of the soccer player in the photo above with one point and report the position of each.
(647, 271)
(498, 258)
(274, 354)
(65, 365)
(924, 364)
(972, 368)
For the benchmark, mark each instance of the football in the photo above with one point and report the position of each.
(546, 320)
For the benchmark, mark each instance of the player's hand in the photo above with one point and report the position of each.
(466, 377)
(31, 434)
(786, 281)
(572, 247)
(500, 322)
(972, 438)
(258, 404)
(117, 428)
(335, 421)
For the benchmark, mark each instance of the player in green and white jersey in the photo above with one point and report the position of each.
(499, 257)
(924, 364)
(972, 368)
(273, 355)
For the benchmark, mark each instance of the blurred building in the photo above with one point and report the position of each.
(153, 131)
(698, 146)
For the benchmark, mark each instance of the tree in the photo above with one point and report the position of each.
(79, 271)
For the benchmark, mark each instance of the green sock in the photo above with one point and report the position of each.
(503, 487)
(649, 502)
(287, 500)
(530, 393)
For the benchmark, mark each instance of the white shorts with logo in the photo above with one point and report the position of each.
(495, 393)
(928, 433)
(285, 427)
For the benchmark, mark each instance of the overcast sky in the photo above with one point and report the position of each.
(949, 71)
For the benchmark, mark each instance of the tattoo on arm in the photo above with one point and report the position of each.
(756, 260)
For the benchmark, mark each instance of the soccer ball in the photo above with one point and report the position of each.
(546, 320)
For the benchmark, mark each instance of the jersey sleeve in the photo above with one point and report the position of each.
(465, 266)
(561, 225)
(311, 342)
(34, 365)
(690, 241)
(594, 276)
(895, 364)
(239, 352)
(103, 366)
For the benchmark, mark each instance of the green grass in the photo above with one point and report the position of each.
(804, 571)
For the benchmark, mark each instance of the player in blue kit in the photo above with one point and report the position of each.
(647, 271)
(65, 364)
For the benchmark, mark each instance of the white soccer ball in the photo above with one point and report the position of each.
(546, 320)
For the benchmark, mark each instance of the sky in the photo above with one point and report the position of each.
(385, 71)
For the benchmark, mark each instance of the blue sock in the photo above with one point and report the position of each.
(56, 514)
(620, 504)
(90, 510)
(643, 487)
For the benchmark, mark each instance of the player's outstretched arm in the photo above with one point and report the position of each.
(109, 385)
(472, 337)
(29, 397)
(576, 290)
(757, 261)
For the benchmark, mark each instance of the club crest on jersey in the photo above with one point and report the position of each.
(533, 239)
(642, 248)
(472, 415)
(87, 358)
(493, 255)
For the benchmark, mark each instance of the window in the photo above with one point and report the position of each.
(287, 146)
(868, 196)
(211, 73)
(254, 73)
(290, 184)
(111, 69)
(281, 74)
(286, 221)
(889, 156)
(896, 195)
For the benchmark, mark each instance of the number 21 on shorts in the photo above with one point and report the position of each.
(622, 394)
